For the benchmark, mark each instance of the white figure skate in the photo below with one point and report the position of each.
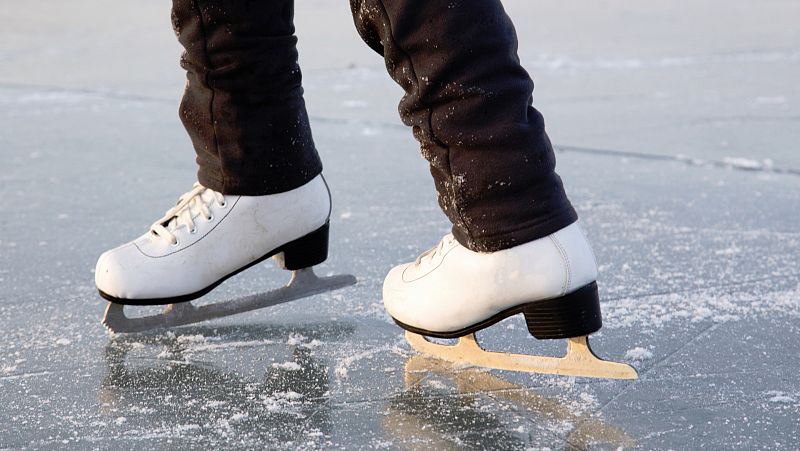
(452, 292)
(207, 238)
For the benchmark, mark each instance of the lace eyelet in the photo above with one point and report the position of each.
(223, 204)
(176, 243)
(210, 218)
(193, 230)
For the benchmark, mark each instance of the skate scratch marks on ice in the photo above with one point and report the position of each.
(25, 375)
(705, 304)
(341, 370)
(228, 345)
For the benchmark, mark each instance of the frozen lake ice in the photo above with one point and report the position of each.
(677, 130)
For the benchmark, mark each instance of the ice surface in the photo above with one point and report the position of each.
(677, 131)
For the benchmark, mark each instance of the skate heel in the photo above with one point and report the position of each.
(305, 251)
(573, 315)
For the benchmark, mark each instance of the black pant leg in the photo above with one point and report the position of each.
(469, 102)
(243, 106)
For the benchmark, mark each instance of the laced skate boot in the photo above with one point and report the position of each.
(451, 291)
(208, 237)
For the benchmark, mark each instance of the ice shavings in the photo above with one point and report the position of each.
(342, 368)
(166, 354)
(173, 431)
(732, 250)
(199, 343)
(436, 384)
(29, 375)
(581, 405)
(229, 345)
(638, 353)
(283, 402)
(288, 366)
(747, 163)
(302, 341)
(295, 339)
(703, 305)
(191, 338)
(781, 399)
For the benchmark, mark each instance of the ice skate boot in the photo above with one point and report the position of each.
(207, 238)
(452, 292)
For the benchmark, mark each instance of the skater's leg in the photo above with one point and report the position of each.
(515, 246)
(260, 191)
(469, 100)
(243, 106)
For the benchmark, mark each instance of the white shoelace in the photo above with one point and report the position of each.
(189, 206)
(432, 252)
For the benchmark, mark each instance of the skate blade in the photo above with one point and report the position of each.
(578, 361)
(303, 283)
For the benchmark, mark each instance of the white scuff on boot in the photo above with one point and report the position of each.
(208, 237)
(453, 292)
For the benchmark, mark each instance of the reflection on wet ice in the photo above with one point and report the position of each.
(442, 419)
(250, 385)
(173, 396)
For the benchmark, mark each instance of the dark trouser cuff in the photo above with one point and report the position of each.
(515, 237)
(243, 106)
(469, 101)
